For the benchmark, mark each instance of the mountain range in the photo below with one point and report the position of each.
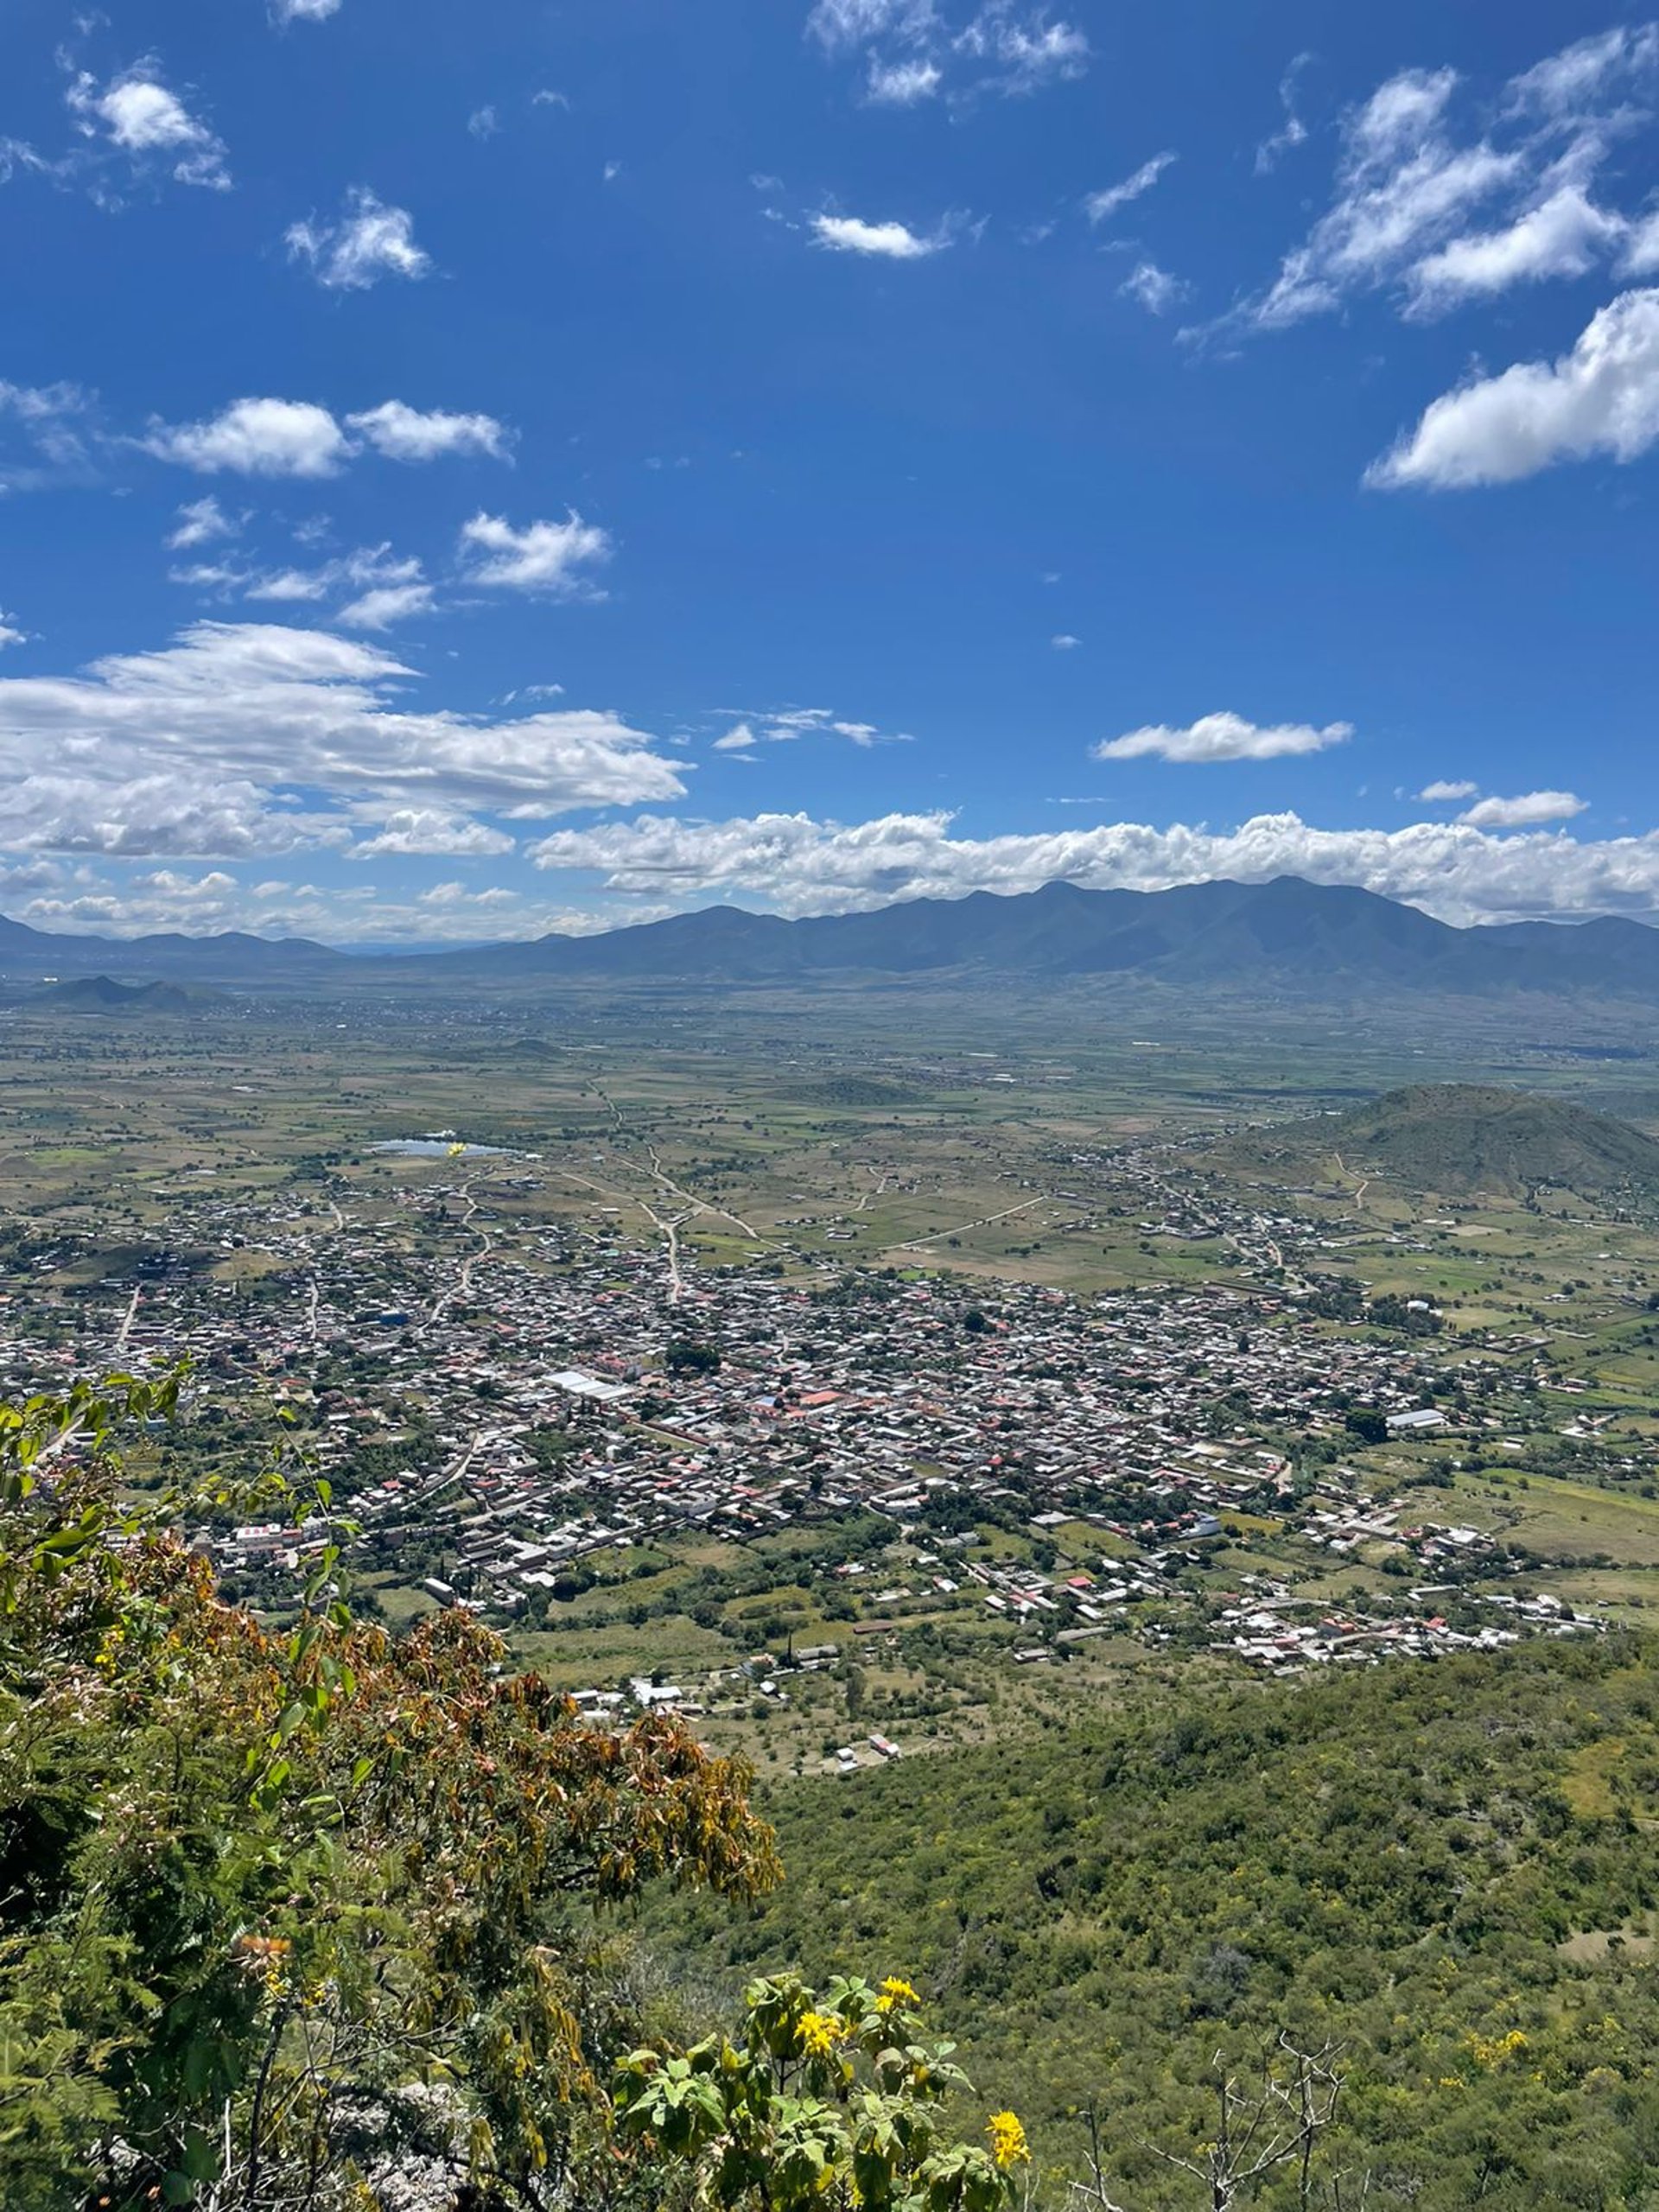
(1309, 940)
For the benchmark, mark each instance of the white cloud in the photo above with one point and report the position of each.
(1575, 78)
(1601, 398)
(1155, 290)
(289, 587)
(889, 241)
(1293, 132)
(1404, 186)
(370, 241)
(483, 122)
(902, 84)
(1564, 235)
(912, 51)
(256, 437)
(387, 605)
(841, 23)
(1032, 52)
(56, 424)
(295, 437)
(798, 865)
(1098, 206)
(1641, 255)
(1065, 642)
(738, 738)
(1446, 789)
(252, 737)
(405, 434)
(1416, 189)
(1526, 811)
(138, 115)
(543, 557)
(200, 523)
(304, 11)
(1222, 737)
(412, 832)
(9, 633)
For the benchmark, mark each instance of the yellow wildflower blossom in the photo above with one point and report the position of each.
(894, 1993)
(820, 2033)
(1009, 2145)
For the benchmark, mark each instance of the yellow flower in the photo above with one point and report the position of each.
(820, 2033)
(1008, 2145)
(894, 1993)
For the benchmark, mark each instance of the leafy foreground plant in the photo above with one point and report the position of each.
(282, 1912)
(827, 2099)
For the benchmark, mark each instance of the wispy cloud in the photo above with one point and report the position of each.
(1100, 206)
(1292, 131)
(1439, 199)
(370, 240)
(1155, 290)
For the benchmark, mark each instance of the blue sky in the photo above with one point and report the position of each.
(465, 472)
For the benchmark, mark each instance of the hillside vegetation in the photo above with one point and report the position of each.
(1451, 1869)
(1459, 1139)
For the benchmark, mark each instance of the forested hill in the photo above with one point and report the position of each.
(1452, 1868)
(1459, 1139)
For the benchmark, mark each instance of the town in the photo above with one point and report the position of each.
(509, 1407)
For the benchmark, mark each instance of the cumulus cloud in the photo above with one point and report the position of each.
(1100, 206)
(245, 737)
(304, 11)
(738, 738)
(411, 832)
(796, 864)
(371, 240)
(136, 114)
(1222, 737)
(297, 437)
(1447, 789)
(545, 558)
(405, 434)
(1525, 811)
(256, 437)
(9, 633)
(1602, 399)
(887, 241)
(1064, 642)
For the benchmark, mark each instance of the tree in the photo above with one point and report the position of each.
(1260, 2130)
(277, 1906)
(827, 2102)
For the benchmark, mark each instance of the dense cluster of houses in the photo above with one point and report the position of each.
(565, 1406)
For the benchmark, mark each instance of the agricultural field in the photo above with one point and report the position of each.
(573, 1182)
